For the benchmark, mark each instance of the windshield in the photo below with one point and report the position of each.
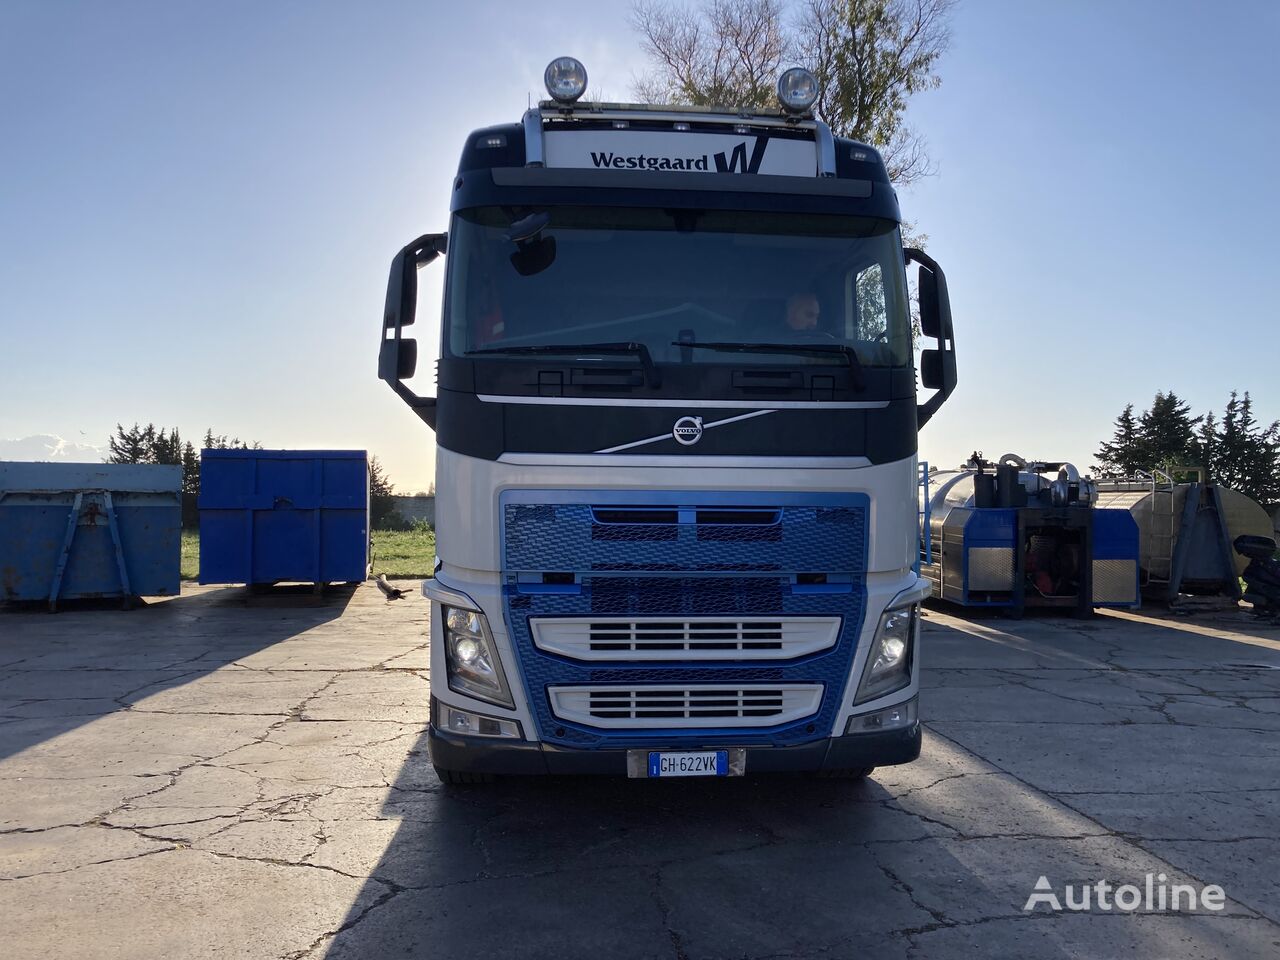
(668, 278)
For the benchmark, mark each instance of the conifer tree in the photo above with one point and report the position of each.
(190, 469)
(1123, 456)
(128, 446)
(1168, 432)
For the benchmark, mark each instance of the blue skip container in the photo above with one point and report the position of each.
(75, 531)
(268, 516)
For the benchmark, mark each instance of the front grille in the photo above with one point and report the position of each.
(685, 638)
(743, 705)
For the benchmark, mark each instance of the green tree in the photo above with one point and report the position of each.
(382, 506)
(190, 470)
(166, 446)
(129, 446)
(1248, 455)
(1168, 432)
(1207, 445)
(1123, 456)
(213, 441)
(151, 445)
(869, 56)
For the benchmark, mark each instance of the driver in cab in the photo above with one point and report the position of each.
(803, 311)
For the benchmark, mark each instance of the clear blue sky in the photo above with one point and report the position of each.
(199, 203)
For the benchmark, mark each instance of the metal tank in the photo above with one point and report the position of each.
(1017, 533)
(1185, 532)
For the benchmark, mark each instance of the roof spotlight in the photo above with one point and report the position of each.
(566, 79)
(797, 90)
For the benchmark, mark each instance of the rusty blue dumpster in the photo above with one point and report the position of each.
(89, 530)
(272, 516)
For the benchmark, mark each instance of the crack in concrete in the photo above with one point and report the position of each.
(81, 866)
(664, 911)
(1108, 832)
(898, 883)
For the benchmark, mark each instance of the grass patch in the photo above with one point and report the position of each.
(404, 554)
(400, 554)
(190, 554)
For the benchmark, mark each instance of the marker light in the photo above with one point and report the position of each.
(566, 79)
(797, 90)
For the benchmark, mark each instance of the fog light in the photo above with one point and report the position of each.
(475, 725)
(890, 718)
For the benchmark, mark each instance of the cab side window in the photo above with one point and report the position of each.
(872, 317)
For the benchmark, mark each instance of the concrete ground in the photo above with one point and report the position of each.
(226, 775)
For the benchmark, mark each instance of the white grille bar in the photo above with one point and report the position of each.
(739, 705)
(685, 638)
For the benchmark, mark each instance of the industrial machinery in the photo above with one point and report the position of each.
(676, 416)
(1261, 575)
(1186, 532)
(1018, 533)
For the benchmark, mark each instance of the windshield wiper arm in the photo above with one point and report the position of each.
(652, 376)
(849, 354)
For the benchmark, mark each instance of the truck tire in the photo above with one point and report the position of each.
(845, 773)
(462, 776)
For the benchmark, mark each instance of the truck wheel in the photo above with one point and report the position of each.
(462, 776)
(845, 773)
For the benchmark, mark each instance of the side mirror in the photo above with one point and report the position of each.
(935, 309)
(397, 361)
(937, 365)
(402, 283)
(398, 355)
(937, 369)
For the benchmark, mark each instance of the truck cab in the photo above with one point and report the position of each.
(676, 416)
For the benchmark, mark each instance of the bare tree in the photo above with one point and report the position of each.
(870, 57)
(726, 54)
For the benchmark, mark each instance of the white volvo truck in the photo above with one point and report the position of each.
(676, 416)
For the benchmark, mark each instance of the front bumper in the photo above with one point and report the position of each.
(451, 751)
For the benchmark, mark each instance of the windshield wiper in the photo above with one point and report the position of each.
(652, 376)
(849, 354)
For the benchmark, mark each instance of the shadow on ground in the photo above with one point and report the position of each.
(936, 858)
(62, 671)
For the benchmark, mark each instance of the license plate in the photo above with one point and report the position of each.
(701, 763)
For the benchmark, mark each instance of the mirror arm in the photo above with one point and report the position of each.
(420, 252)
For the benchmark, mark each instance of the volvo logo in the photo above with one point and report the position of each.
(687, 431)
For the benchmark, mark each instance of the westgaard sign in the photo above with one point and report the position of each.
(688, 152)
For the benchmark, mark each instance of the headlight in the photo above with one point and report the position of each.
(889, 661)
(470, 657)
(797, 90)
(566, 79)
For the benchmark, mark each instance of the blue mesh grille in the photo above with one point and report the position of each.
(561, 537)
(570, 537)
